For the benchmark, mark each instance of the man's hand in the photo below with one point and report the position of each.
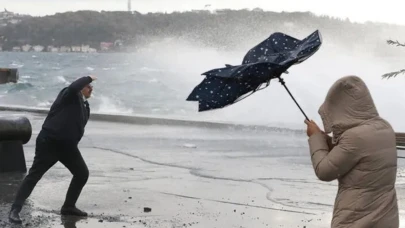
(312, 128)
(93, 77)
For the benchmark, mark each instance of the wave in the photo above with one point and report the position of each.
(16, 65)
(109, 68)
(147, 69)
(17, 87)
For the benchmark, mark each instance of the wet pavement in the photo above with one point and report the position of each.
(188, 176)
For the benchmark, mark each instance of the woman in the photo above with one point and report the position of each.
(361, 155)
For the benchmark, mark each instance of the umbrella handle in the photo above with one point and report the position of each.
(283, 83)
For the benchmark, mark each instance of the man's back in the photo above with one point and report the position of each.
(68, 114)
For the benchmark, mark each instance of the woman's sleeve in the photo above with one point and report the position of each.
(332, 164)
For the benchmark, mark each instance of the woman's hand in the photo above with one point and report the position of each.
(312, 128)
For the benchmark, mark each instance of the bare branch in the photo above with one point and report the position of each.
(395, 43)
(393, 74)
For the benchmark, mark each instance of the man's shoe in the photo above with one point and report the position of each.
(14, 216)
(72, 211)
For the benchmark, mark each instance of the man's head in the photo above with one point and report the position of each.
(86, 91)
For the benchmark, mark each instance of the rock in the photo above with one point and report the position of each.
(8, 75)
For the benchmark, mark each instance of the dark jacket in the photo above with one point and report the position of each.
(68, 114)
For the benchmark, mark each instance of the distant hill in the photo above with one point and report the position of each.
(222, 28)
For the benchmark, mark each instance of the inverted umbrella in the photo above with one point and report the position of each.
(267, 60)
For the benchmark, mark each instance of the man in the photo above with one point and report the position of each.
(57, 141)
(361, 155)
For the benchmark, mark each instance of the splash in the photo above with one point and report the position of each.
(157, 78)
(61, 79)
(107, 105)
(308, 82)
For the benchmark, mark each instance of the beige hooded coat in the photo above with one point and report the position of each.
(361, 155)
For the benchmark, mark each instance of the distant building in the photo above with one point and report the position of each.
(38, 48)
(14, 21)
(76, 49)
(53, 49)
(7, 17)
(6, 14)
(17, 49)
(65, 49)
(85, 48)
(118, 43)
(26, 48)
(106, 46)
(91, 50)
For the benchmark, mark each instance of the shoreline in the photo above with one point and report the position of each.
(154, 120)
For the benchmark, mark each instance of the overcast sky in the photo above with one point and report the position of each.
(388, 11)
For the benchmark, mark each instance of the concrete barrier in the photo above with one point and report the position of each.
(150, 120)
(14, 133)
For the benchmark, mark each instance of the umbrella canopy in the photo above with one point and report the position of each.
(267, 60)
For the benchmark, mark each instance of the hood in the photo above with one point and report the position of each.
(348, 104)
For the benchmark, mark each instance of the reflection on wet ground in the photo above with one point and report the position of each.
(189, 177)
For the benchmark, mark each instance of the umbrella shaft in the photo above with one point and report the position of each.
(283, 83)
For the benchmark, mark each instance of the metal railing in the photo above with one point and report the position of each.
(401, 148)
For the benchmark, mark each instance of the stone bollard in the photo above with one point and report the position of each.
(8, 75)
(14, 133)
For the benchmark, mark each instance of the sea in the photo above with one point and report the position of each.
(155, 81)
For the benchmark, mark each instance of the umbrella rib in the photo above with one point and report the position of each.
(267, 84)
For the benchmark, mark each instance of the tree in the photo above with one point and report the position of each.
(395, 73)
